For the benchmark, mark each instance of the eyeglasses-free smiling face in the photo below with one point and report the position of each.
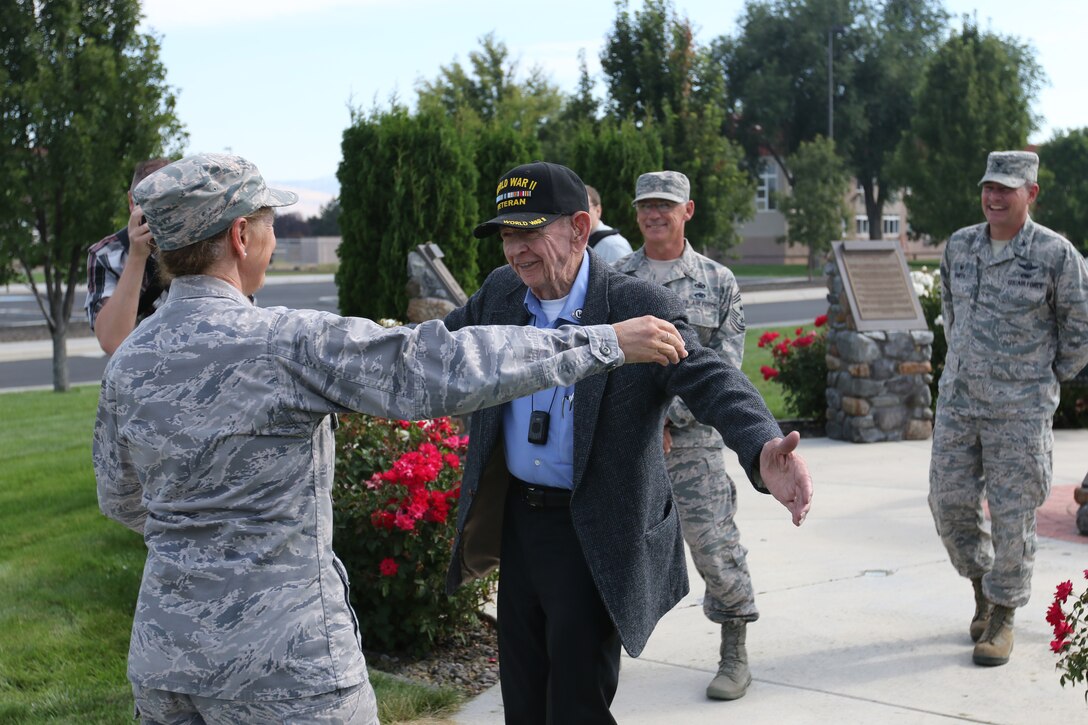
(1006, 209)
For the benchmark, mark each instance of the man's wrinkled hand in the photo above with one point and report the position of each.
(786, 476)
(649, 339)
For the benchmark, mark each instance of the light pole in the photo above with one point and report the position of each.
(831, 80)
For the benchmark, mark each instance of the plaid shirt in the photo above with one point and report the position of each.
(105, 261)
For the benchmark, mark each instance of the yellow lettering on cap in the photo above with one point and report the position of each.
(501, 186)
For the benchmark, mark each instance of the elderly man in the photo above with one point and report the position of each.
(1015, 304)
(214, 441)
(569, 485)
(707, 497)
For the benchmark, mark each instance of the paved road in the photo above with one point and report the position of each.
(27, 365)
(318, 292)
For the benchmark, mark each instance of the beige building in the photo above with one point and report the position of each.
(760, 236)
(305, 252)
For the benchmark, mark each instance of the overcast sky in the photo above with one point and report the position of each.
(273, 80)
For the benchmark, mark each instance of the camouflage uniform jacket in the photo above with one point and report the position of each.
(1016, 322)
(214, 440)
(714, 309)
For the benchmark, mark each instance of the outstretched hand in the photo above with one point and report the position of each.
(786, 476)
(649, 339)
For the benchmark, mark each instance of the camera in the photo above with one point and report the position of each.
(538, 427)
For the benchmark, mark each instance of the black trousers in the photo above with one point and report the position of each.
(559, 652)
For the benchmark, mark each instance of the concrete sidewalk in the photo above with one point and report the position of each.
(863, 619)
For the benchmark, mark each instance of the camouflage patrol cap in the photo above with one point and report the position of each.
(1011, 168)
(669, 185)
(199, 196)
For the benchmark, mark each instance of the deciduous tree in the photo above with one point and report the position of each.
(779, 71)
(815, 208)
(83, 98)
(491, 89)
(1063, 182)
(658, 76)
(975, 97)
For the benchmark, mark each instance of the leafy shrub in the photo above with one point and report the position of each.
(928, 287)
(396, 491)
(801, 369)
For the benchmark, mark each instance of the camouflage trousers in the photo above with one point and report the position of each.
(349, 706)
(1007, 463)
(707, 500)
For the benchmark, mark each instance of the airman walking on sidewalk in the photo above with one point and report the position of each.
(1015, 304)
(705, 494)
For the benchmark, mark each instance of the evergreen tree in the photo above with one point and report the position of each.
(404, 180)
(610, 156)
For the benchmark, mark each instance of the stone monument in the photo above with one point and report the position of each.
(432, 291)
(878, 347)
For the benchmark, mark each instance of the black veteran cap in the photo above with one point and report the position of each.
(535, 195)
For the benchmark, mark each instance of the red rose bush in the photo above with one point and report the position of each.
(800, 367)
(1069, 619)
(395, 497)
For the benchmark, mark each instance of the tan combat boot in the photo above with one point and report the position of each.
(733, 676)
(995, 644)
(982, 611)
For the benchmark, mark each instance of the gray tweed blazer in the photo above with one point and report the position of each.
(622, 505)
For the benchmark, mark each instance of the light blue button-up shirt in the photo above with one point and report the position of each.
(550, 464)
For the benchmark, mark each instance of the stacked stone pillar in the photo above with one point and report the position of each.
(877, 381)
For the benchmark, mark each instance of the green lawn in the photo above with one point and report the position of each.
(767, 270)
(69, 577)
(754, 358)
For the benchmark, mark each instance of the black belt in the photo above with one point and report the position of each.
(542, 497)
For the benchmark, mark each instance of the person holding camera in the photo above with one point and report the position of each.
(123, 285)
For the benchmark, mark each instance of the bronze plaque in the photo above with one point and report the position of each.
(877, 284)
